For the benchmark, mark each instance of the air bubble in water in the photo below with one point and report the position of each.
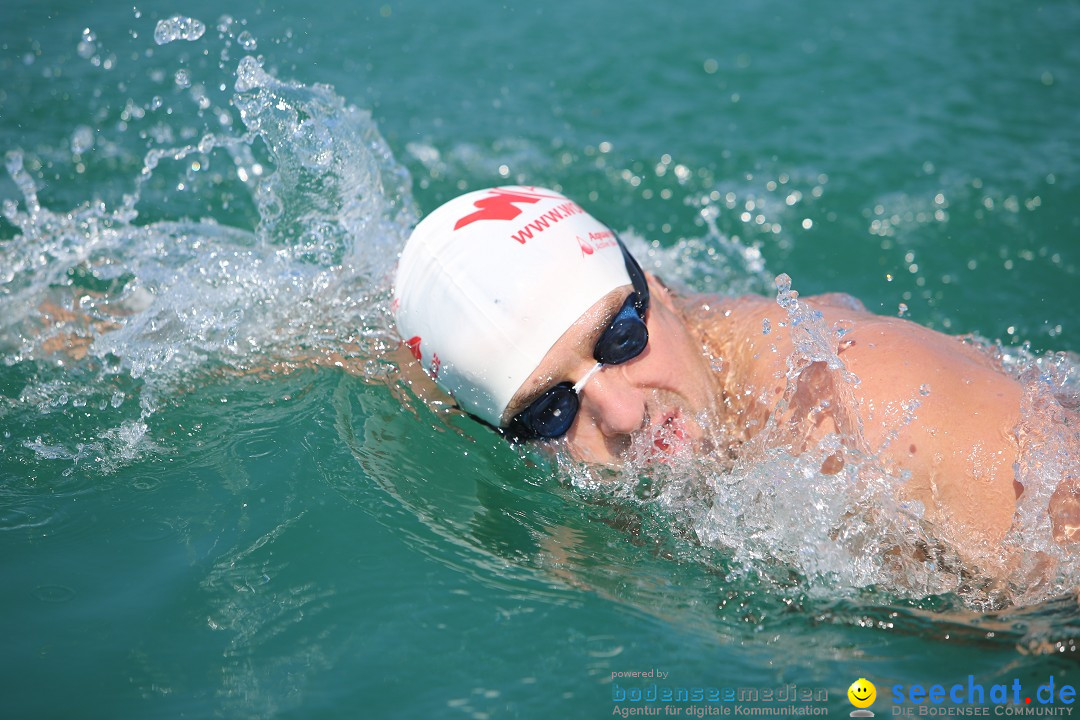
(178, 28)
(183, 78)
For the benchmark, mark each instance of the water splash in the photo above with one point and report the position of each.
(1049, 435)
(98, 304)
(335, 179)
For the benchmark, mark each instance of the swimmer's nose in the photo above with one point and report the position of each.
(614, 405)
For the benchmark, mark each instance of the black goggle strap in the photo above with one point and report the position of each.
(637, 279)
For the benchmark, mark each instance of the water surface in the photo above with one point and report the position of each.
(188, 529)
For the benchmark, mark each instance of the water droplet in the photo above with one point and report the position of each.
(924, 390)
(247, 41)
(82, 139)
(87, 45)
(785, 296)
(178, 28)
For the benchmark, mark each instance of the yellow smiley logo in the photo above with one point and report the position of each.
(862, 693)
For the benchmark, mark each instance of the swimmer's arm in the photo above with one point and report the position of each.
(70, 332)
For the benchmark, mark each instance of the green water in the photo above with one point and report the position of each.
(187, 531)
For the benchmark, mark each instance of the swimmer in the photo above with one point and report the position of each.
(536, 319)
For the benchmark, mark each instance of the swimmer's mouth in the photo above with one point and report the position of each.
(670, 435)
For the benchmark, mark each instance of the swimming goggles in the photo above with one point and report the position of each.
(551, 415)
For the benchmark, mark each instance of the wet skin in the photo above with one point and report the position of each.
(926, 404)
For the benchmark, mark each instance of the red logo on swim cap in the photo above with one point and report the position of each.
(586, 248)
(414, 346)
(500, 206)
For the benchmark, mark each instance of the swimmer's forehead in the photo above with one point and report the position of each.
(576, 344)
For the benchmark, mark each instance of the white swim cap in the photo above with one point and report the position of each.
(488, 282)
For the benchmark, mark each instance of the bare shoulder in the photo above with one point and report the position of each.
(893, 358)
(890, 352)
(934, 407)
